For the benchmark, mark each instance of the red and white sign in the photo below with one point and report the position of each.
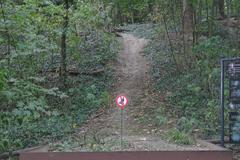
(122, 101)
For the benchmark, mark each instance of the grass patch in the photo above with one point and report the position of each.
(160, 120)
(178, 137)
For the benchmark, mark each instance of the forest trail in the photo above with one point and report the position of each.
(103, 133)
(134, 82)
(61, 69)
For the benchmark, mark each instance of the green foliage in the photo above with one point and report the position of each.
(176, 136)
(160, 120)
(192, 96)
(187, 125)
(2, 80)
(132, 11)
(104, 98)
(211, 49)
(24, 105)
(88, 17)
(33, 108)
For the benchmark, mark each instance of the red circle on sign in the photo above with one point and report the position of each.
(121, 101)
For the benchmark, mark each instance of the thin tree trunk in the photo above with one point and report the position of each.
(200, 9)
(7, 34)
(170, 43)
(187, 30)
(195, 33)
(150, 6)
(208, 21)
(187, 18)
(173, 16)
(228, 8)
(221, 8)
(63, 67)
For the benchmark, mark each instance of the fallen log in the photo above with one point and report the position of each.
(121, 30)
(118, 31)
(91, 73)
(117, 34)
(76, 72)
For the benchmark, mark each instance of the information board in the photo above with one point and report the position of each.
(234, 101)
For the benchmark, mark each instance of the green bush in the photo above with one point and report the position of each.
(187, 125)
(33, 114)
(176, 136)
(2, 80)
(193, 94)
(160, 120)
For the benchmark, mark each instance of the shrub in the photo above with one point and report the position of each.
(176, 136)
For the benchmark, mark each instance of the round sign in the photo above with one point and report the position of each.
(121, 101)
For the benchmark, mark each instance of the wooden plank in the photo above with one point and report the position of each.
(161, 155)
(18, 152)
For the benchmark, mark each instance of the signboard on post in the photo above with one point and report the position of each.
(234, 127)
(122, 101)
(234, 101)
(232, 66)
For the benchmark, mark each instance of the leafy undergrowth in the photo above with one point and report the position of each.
(35, 111)
(193, 96)
(190, 97)
(178, 137)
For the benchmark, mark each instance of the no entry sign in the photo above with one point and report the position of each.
(122, 101)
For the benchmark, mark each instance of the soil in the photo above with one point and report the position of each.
(103, 132)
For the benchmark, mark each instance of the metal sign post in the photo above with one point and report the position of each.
(222, 102)
(122, 102)
(234, 98)
(121, 129)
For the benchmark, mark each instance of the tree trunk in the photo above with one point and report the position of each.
(7, 34)
(63, 67)
(150, 6)
(170, 44)
(221, 8)
(208, 19)
(187, 31)
(187, 18)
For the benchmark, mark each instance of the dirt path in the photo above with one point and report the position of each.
(134, 81)
(103, 133)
